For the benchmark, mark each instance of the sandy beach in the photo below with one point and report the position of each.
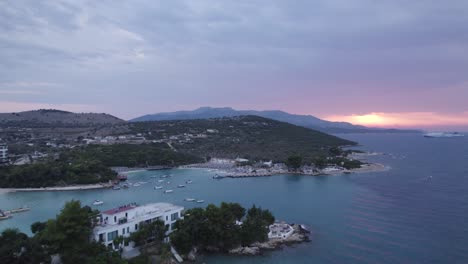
(61, 188)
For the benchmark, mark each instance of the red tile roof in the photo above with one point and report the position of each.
(119, 209)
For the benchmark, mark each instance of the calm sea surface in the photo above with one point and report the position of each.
(417, 212)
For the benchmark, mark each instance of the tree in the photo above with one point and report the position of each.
(294, 162)
(68, 234)
(335, 151)
(320, 162)
(154, 231)
(38, 227)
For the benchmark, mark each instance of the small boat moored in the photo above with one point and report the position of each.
(98, 202)
(218, 177)
(168, 191)
(116, 187)
(200, 201)
(180, 186)
(189, 182)
(189, 200)
(4, 216)
(157, 187)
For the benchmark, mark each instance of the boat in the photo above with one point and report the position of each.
(217, 177)
(97, 202)
(168, 182)
(163, 176)
(125, 186)
(4, 216)
(136, 184)
(189, 182)
(180, 186)
(200, 201)
(168, 191)
(116, 187)
(189, 199)
(158, 187)
(443, 135)
(160, 180)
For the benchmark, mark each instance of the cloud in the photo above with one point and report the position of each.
(321, 57)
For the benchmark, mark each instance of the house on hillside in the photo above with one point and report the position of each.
(124, 220)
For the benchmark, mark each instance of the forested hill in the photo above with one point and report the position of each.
(56, 118)
(250, 137)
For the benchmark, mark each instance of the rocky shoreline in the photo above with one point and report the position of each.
(300, 235)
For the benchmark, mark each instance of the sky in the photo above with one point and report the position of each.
(378, 63)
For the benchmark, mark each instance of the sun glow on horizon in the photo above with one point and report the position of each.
(403, 120)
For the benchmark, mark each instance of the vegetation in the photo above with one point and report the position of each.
(55, 173)
(250, 137)
(152, 232)
(218, 228)
(294, 162)
(89, 165)
(130, 155)
(66, 236)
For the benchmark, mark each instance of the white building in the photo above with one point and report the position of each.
(3, 153)
(124, 220)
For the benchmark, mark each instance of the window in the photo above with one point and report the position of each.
(128, 229)
(112, 235)
(123, 231)
(168, 227)
(174, 216)
(136, 227)
(115, 219)
(172, 226)
(167, 217)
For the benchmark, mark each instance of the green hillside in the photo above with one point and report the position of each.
(249, 137)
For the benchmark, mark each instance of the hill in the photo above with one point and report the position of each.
(250, 137)
(56, 118)
(299, 120)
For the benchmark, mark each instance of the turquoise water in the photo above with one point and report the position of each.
(417, 212)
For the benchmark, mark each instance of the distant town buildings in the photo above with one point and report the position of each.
(127, 219)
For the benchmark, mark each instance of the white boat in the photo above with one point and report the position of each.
(168, 191)
(116, 187)
(189, 199)
(164, 176)
(160, 180)
(180, 186)
(200, 201)
(443, 135)
(189, 182)
(97, 202)
(158, 187)
(136, 184)
(168, 182)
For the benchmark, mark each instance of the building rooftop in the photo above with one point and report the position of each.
(144, 209)
(120, 209)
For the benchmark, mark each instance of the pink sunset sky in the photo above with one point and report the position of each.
(379, 64)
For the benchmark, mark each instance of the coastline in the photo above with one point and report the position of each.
(230, 171)
(59, 188)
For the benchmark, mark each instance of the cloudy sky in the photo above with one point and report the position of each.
(386, 63)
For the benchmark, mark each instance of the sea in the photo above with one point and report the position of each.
(415, 212)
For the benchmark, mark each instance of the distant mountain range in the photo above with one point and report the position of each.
(56, 118)
(307, 121)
